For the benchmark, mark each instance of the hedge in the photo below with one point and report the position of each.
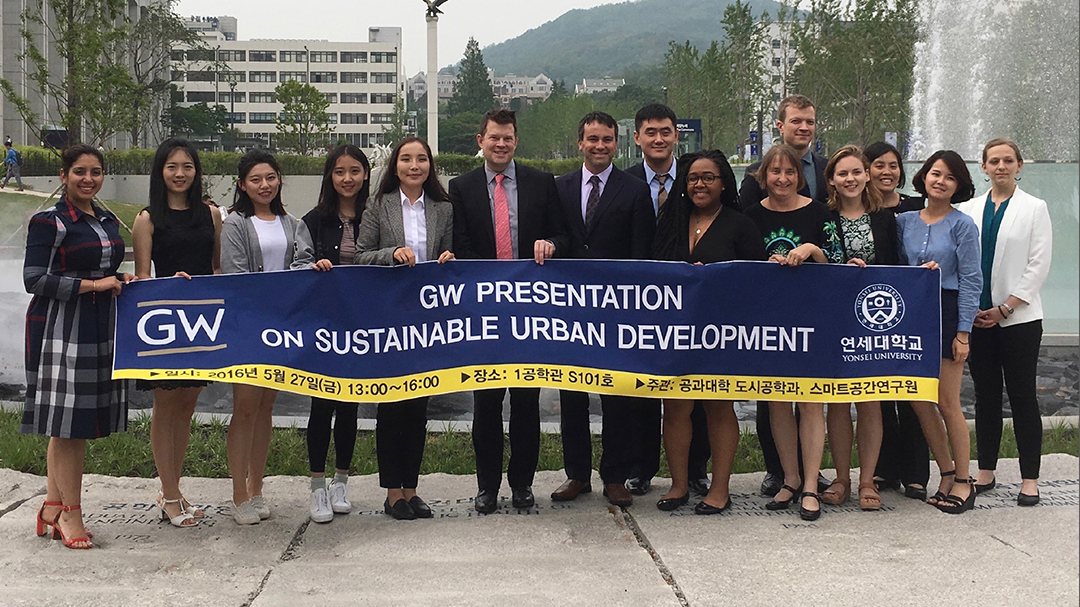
(40, 161)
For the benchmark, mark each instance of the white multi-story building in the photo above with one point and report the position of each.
(361, 80)
(596, 85)
(506, 88)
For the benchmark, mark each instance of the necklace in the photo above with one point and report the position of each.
(699, 221)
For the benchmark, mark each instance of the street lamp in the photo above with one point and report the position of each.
(232, 105)
(664, 88)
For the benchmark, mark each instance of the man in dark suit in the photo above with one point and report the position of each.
(505, 210)
(797, 122)
(656, 133)
(610, 216)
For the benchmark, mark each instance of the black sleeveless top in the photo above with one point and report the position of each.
(181, 246)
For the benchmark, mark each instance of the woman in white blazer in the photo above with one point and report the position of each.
(1016, 243)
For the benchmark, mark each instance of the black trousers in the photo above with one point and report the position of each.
(400, 432)
(645, 437)
(620, 449)
(318, 433)
(487, 436)
(904, 455)
(1009, 353)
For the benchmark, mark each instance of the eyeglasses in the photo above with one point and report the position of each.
(706, 178)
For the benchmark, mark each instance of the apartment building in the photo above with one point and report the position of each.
(361, 80)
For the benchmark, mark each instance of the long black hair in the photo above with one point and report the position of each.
(328, 196)
(673, 227)
(159, 193)
(390, 183)
(241, 201)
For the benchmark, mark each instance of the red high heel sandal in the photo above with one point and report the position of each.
(42, 523)
(70, 543)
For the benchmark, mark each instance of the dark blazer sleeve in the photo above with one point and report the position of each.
(750, 192)
(643, 221)
(749, 245)
(638, 170)
(883, 227)
(822, 193)
(459, 198)
(555, 226)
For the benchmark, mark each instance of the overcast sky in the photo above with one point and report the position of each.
(489, 21)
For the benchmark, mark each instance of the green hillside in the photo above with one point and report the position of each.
(611, 39)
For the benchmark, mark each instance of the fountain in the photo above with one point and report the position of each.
(997, 68)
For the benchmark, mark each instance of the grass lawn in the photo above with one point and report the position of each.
(128, 453)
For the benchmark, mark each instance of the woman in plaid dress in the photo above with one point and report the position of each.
(73, 252)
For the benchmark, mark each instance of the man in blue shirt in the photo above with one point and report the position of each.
(11, 161)
(797, 123)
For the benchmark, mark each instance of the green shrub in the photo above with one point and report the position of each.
(457, 164)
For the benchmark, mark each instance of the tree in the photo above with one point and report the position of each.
(197, 119)
(857, 64)
(149, 47)
(303, 122)
(93, 82)
(398, 128)
(473, 92)
(743, 56)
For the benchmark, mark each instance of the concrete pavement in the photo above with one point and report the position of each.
(566, 554)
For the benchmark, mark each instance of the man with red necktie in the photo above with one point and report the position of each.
(505, 210)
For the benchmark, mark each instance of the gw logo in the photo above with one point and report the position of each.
(158, 327)
(879, 307)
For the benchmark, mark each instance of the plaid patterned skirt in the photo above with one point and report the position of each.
(70, 392)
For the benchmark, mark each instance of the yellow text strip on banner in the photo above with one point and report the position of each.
(560, 377)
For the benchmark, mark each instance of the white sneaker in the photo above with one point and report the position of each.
(339, 498)
(244, 514)
(258, 502)
(319, 507)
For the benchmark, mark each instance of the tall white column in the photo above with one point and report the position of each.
(433, 83)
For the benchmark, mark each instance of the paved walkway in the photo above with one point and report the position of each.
(578, 553)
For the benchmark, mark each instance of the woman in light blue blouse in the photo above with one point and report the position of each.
(940, 237)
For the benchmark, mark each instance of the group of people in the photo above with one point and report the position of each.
(793, 207)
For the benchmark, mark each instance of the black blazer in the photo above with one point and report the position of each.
(539, 214)
(624, 224)
(883, 227)
(751, 192)
(638, 170)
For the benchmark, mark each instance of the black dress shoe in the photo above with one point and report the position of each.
(522, 497)
(401, 510)
(671, 503)
(699, 486)
(807, 514)
(1023, 499)
(638, 486)
(487, 501)
(914, 492)
(775, 504)
(420, 507)
(703, 508)
(771, 485)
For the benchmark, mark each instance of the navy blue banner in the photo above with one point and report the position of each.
(743, 330)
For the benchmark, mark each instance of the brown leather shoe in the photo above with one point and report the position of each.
(618, 494)
(569, 490)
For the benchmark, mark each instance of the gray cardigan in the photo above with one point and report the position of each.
(382, 229)
(240, 250)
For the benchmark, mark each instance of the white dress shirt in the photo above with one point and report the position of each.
(414, 221)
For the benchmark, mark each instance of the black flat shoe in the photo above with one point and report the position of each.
(487, 501)
(522, 497)
(809, 515)
(706, 509)
(772, 484)
(420, 507)
(638, 486)
(987, 487)
(822, 483)
(400, 510)
(700, 486)
(671, 503)
(776, 504)
(1023, 499)
(954, 504)
(917, 493)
